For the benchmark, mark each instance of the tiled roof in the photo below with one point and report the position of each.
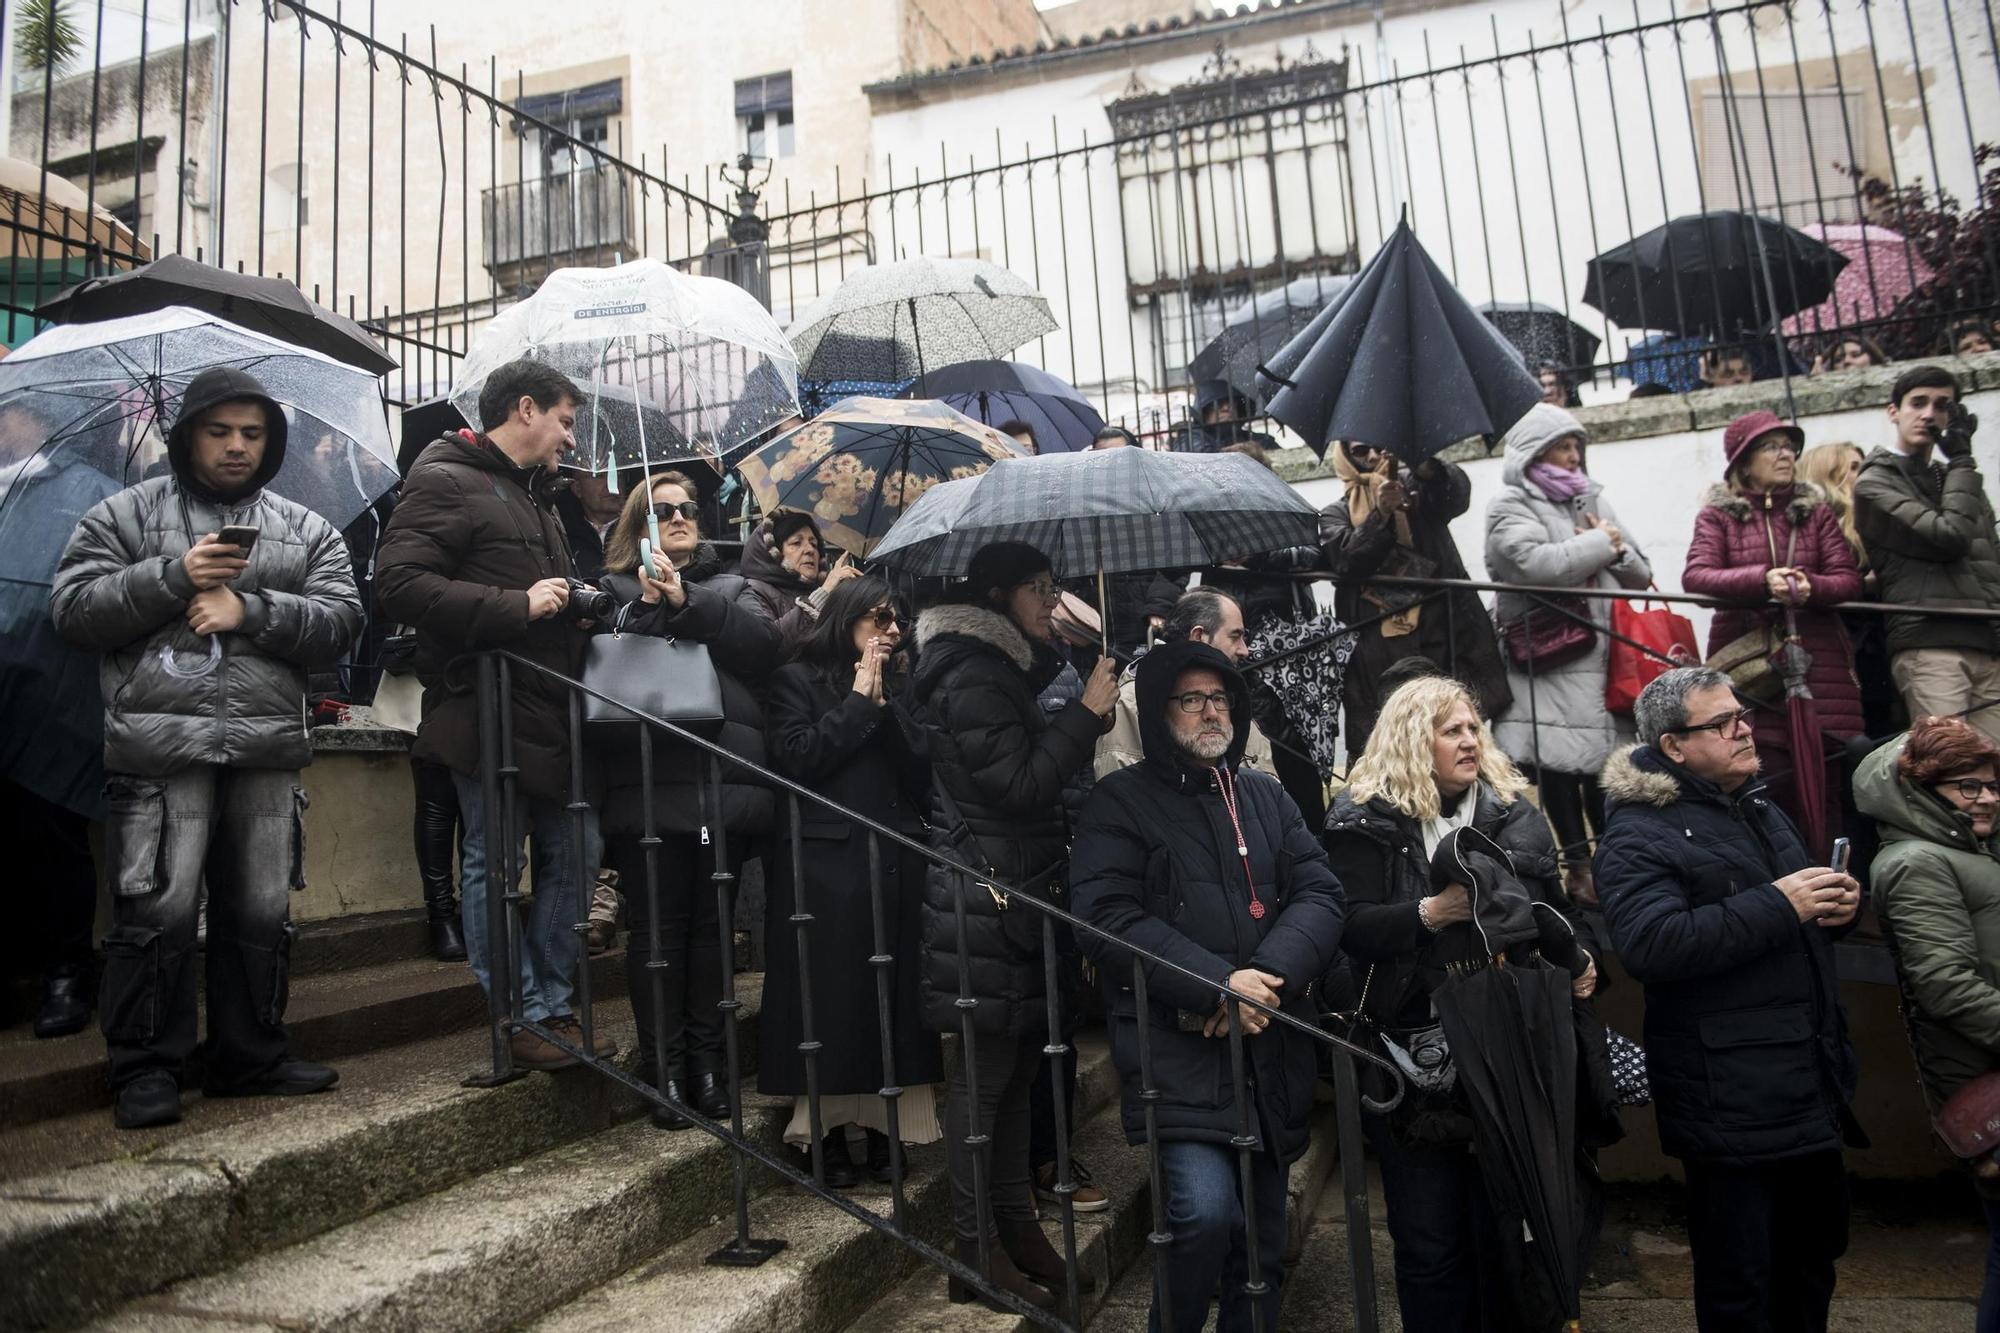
(1202, 22)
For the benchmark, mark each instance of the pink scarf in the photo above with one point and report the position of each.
(1560, 484)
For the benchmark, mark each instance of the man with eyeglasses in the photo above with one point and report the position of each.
(1192, 856)
(1927, 525)
(1716, 909)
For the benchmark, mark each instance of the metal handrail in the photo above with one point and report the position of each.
(498, 781)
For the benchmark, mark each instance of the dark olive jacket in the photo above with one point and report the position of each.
(1928, 531)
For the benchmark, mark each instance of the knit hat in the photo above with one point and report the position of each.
(1003, 565)
(1744, 433)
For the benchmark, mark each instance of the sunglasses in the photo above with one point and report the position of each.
(883, 616)
(687, 509)
(1725, 726)
(1972, 789)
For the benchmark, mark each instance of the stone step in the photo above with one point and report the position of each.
(487, 1253)
(343, 943)
(331, 1015)
(835, 1266)
(241, 1177)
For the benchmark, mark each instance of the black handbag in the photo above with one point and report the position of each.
(664, 677)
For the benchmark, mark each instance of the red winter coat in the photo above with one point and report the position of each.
(1735, 538)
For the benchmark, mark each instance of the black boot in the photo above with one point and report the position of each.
(65, 1003)
(711, 1094)
(840, 1173)
(1002, 1273)
(152, 1098)
(878, 1158)
(436, 843)
(1028, 1246)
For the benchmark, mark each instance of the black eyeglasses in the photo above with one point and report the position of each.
(687, 509)
(1725, 726)
(1194, 700)
(1972, 789)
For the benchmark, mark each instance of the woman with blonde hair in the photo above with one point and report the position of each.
(1431, 768)
(1833, 468)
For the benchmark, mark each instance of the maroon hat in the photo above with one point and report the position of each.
(1743, 433)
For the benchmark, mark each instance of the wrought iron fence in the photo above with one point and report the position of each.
(498, 674)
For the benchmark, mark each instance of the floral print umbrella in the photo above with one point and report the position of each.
(856, 467)
(1883, 268)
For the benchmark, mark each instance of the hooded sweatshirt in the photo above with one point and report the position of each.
(174, 698)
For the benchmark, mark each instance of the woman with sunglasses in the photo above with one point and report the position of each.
(688, 596)
(998, 765)
(1771, 542)
(1935, 795)
(830, 727)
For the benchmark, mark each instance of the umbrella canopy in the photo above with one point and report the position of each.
(999, 392)
(1883, 267)
(1399, 360)
(269, 306)
(889, 321)
(859, 466)
(1542, 334)
(1256, 329)
(423, 423)
(1106, 511)
(52, 220)
(1712, 273)
(84, 412)
(700, 367)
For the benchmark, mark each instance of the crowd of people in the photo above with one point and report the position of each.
(1494, 808)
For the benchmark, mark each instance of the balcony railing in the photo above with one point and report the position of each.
(582, 213)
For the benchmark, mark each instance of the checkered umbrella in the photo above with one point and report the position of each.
(1106, 512)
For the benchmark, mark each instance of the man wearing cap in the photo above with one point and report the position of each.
(205, 649)
(1927, 525)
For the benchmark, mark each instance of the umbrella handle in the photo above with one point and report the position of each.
(1103, 615)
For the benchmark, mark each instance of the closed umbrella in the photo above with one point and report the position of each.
(999, 392)
(1718, 274)
(858, 467)
(889, 322)
(1802, 731)
(1399, 360)
(1256, 329)
(266, 305)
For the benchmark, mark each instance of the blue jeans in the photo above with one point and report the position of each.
(1444, 1231)
(550, 947)
(1210, 1239)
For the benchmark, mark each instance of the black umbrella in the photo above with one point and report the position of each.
(1542, 334)
(1257, 329)
(270, 306)
(1712, 273)
(1000, 392)
(423, 423)
(1399, 360)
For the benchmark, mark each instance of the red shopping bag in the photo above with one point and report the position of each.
(1645, 641)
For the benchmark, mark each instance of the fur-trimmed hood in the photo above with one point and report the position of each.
(1806, 497)
(1634, 780)
(977, 623)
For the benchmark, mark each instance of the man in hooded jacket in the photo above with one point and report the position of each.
(1197, 859)
(205, 652)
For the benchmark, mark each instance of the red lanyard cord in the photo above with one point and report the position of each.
(1225, 783)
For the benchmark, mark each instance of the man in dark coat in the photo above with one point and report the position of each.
(205, 648)
(1716, 909)
(475, 558)
(1208, 864)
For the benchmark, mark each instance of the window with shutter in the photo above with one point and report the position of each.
(764, 115)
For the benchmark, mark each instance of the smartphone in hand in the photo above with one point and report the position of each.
(240, 535)
(1843, 852)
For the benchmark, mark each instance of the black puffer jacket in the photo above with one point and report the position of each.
(724, 612)
(1378, 853)
(1156, 863)
(1004, 763)
(763, 566)
(1746, 1040)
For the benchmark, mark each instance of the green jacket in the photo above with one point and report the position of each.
(1937, 892)
(1929, 536)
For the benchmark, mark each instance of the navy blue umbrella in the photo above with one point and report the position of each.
(1399, 360)
(1002, 392)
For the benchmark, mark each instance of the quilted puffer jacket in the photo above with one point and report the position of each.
(172, 698)
(1746, 1039)
(1927, 525)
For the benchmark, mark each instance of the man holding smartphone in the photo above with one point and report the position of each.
(209, 599)
(1927, 525)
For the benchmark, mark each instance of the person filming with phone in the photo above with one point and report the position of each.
(1926, 521)
(1718, 911)
(209, 599)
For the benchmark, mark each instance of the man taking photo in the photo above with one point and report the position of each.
(1195, 858)
(475, 559)
(210, 600)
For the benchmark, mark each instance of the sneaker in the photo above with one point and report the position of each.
(153, 1098)
(288, 1078)
(1084, 1196)
(531, 1052)
(570, 1028)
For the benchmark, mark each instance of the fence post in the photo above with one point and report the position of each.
(495, 925)
(1354, 1190)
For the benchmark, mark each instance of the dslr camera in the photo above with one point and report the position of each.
(588, 602)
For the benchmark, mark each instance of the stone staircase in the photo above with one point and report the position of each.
(405, 1200)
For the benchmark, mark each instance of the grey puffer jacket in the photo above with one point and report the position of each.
(122, 591)
(1562, 723)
